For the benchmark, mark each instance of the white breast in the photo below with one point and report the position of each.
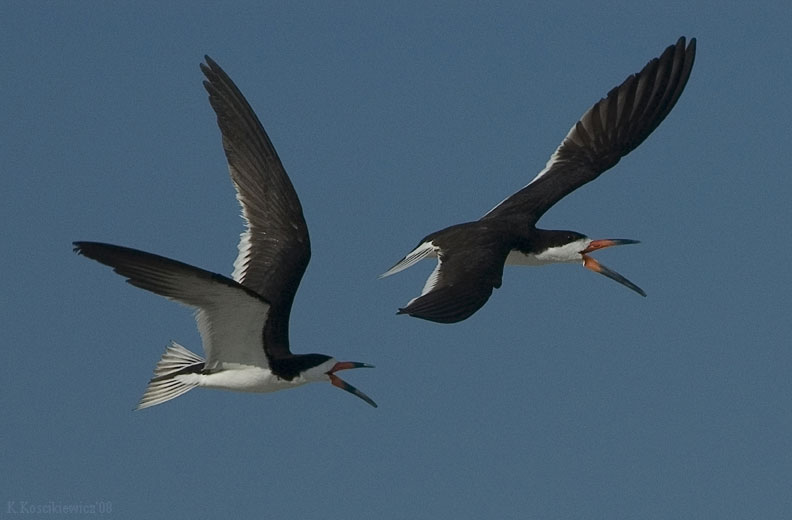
(247, 379)
(566, 254)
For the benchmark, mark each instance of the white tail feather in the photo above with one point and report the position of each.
(424, 250)
(170, 378)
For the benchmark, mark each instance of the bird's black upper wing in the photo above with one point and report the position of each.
(275, 248)
(470, 259)
(608, 131)
(460, 285)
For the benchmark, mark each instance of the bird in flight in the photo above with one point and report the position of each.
(471, 256)
(243, 320)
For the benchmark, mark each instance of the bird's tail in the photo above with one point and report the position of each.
(175, 374)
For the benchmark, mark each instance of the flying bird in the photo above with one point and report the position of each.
(243, 320)
(471, 256)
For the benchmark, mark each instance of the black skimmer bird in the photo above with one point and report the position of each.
(471, 256)
(243, 320)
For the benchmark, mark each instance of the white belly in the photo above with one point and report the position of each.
(245, 378)
(568, 254)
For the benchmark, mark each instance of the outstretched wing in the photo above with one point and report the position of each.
(274, 249)
(230, 316)
(608, 131)
(460, 285)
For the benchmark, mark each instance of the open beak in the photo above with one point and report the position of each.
(343, 385)
(596, 245)
(590, 263)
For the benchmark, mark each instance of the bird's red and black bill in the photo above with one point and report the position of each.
(343, 385)
(590, 263)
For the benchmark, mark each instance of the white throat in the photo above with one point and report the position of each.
(565, 254)
(319, 372)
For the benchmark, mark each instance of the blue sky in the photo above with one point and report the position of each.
(566, 396)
